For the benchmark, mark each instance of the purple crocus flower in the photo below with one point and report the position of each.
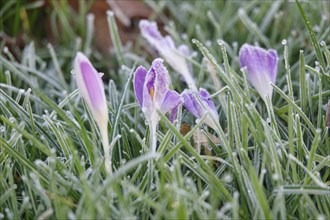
(153, 93)
(91, 89)
(166, 48)
(261, 67)
(201, 104)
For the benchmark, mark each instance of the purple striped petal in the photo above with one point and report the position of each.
(172, 100)
(261, 67)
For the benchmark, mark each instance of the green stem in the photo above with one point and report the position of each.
(106, 147)
(153, 131)
(271, 115)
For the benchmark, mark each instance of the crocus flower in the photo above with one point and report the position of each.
(153, 93)
(92, 91)
(261, 68)
(166, 48)
(201, 105)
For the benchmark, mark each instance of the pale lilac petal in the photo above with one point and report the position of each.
(184, 50)
(162, 81)
(166, 48)
(149, 31)
(261, 67)
(172, 100)
(169, 42)
(139, 78)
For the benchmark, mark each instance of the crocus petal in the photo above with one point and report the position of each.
(208, 104)
(162, 82)
(91, 87)
(139, 78)
(189, 103)
(148, 93)
(206, 97)
(184, 50)
(166, 48)
(169, 42)
(173, 113)
(261, 67)
(150, 31)
(172, 99)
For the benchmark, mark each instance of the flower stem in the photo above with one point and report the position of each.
(153, 132)
(271, 115)
(153, 139)
(106, 148)
(153, 143)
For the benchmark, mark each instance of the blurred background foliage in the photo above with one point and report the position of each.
(63, 23)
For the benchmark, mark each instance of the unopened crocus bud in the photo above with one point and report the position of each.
(261, 67)
(91, 88)
(92, 91)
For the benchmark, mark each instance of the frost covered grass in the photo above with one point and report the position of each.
(262, 162)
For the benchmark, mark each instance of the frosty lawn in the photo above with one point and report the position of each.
(222, 115)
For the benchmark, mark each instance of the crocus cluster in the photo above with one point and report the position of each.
(152, 87)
